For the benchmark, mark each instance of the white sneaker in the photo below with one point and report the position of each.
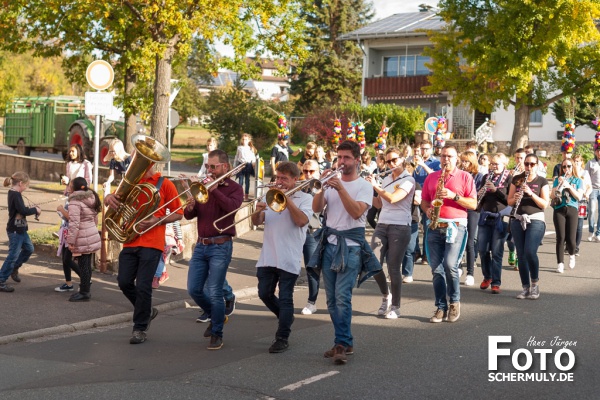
(591, 238)
(470, 281)
(561, 268)
(394, 313)
(460, 272)
(572, 261)
(385, 304)
(407, 279)
(309, 309)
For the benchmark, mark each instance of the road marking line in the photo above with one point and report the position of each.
(308, 381)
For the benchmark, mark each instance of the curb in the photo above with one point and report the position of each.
(243, 294)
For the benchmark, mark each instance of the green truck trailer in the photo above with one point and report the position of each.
(53, 124)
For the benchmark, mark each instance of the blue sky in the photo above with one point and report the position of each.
(385, 8)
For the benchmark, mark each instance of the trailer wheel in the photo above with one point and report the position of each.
(22, 149)
(78, 136)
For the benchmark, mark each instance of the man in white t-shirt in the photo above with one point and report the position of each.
(342, 252)
(279, 261)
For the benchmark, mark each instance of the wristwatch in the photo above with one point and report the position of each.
(455, 198)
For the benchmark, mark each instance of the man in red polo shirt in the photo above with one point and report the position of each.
(139, 258)
(446, 243)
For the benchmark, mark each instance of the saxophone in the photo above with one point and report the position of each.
(438, 201)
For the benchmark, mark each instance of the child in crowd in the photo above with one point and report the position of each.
(20, 247)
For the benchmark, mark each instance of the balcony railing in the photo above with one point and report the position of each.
(394, 86)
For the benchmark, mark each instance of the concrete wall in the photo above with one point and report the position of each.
(39, 169)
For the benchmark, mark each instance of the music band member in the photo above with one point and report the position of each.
(529, 195)
(446, 243)
(567, 190)
(310, 170)
(212, 254)
(519, 157)
(342, 252)
(393, 231)
(278, 265)
(493, 231)
(139, 258)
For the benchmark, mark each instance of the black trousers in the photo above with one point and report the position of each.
(565, 222)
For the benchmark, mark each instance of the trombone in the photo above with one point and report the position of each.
(276, 199)
(197, 190)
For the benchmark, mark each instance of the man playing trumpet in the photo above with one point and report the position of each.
(279, 261)
(447, 238)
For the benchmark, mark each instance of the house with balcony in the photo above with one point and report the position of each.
(394, 72)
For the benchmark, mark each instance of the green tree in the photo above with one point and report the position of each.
(332, 73)
(156, 30)
(527, 54)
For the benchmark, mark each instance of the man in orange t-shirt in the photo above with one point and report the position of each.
(139, 258)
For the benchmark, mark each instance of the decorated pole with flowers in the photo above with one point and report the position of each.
(337, 133)
(283, 131)
(596, 123)
(568, 139)
(439, 137)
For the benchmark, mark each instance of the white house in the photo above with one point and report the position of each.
(394, 72)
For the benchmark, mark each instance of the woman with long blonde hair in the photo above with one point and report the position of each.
(246, 154)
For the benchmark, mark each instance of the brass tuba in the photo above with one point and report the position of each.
(138, 200)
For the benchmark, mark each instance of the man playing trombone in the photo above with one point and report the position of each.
(212, 254)
(279, 261)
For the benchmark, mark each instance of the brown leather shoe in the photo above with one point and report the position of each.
(340, 355)
(331, 353)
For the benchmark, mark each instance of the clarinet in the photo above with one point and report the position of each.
(483, 189)
(518, 202)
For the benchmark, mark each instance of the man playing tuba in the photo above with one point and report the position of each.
(445, 242)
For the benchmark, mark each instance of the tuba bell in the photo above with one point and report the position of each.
(138, 200)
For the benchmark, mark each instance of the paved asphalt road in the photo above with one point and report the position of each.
(394, 359)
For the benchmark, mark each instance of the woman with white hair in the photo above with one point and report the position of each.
(119, 161)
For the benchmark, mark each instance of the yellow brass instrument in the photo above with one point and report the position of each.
(438, 202)
(197, 190)
(138, 200)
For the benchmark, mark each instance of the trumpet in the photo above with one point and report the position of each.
(197, 190)
(561, 186)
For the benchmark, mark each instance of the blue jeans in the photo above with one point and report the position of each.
(208, 266)
(444, 259)
(338, 287)
(408, 262)
(282, 306)
(527, 243)
(594, 212)
(472, 220)
(20, 249)
(490, 244)
(312, 274)
(244, 176)
(137, 266)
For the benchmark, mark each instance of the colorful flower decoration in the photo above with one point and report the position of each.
(337, 133)
(351, 131)
(360, 134)
(568, 139)
(381, 142)
(283, 132)
(597, 138)
(439, 135)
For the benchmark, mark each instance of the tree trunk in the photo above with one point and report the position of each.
(162, 92)
(520, 136)
(130, 119)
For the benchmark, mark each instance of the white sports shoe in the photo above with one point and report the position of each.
(470, 281)
(394, 313)
(572, 261)
(460, 272)
(385, 304)
(309, 309)
(407, 279)
(561, 268)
